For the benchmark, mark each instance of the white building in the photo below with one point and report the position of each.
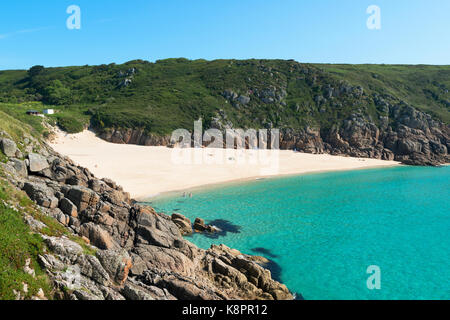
(49, 111)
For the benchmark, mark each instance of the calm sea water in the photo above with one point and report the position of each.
(322, 231)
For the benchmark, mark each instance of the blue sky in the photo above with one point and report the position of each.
(329, 31)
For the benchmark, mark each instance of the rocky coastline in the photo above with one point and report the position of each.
(127, 251)
(404, 134)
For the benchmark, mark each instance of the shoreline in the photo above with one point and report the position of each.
(218, 185)
(151, 172)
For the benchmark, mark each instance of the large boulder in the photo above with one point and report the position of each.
(83, 197)
(183, 223)
(68, 207)
(91, 267)
(135, 291)
(59, 216)
(64, 247)
(116, 263)
(241, 275)
(41, 194)
(199, 225)
(154, 236)
(20, 167)
(147, 217)
(97, 236)
(37, 163)
(8, 147)
(147, 257)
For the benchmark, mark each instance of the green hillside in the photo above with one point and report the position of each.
(160, 97)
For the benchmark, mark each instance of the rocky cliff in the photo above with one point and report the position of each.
(114, 248)
(133, 136)
(403, 134)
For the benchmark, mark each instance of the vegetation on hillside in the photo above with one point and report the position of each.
(168, 94)
(17, 245)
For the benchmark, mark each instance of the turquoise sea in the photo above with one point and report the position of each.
(322, 231)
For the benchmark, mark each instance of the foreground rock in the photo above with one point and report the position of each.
(183, 223)
(120, 250)
(8, 147)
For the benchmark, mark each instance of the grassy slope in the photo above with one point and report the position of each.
(423, 86)
(17, 242)
(172, 93)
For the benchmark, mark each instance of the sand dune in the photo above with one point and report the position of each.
(148, 171)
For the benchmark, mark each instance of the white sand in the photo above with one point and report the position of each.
(148, 171)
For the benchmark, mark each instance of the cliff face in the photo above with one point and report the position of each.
(127, 251)
(381, 114)
(133, 136)
(404, 134)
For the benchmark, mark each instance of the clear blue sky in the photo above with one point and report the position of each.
(329, 31)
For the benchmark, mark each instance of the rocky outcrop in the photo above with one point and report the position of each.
(183, 223)
(308, 140)
(201, 226)
(116, 249)
(134, 136)
(8, 147)
(41, 194)
(403, 134)
(37, 163)
(406, 135)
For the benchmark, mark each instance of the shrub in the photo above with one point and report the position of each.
(57, 93)
(36, 70)
(70, 124)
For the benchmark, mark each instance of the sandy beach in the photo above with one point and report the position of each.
(148, 171)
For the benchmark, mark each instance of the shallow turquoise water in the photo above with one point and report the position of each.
(322, 231)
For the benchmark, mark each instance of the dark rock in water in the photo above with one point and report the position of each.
(200, 226)
(222, 228)
(298, 296)
(183, 223)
